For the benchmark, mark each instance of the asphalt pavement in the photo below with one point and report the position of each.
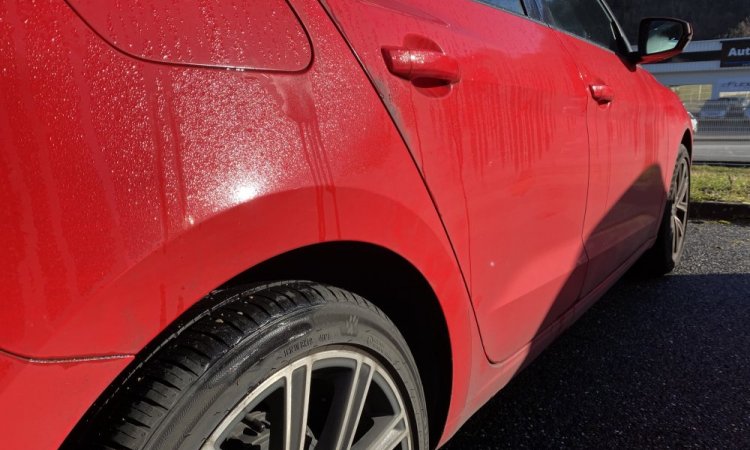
(728, 151)
(662, 363)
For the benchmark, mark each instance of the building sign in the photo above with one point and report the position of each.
(735, 53)
(732, 85)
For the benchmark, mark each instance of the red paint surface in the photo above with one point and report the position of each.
(220, 33)
(131, 188)
(28, 391)
(627, 143)
(505, 154)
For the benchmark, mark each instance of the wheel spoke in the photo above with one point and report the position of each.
(678, 236)
(234, 417)
(385, 434)
(346, 409)
(680, 229)
(336, 391)
(683, 187)
(296, 406)
(679, 194)
(682, 205)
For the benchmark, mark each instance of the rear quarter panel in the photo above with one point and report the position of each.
(131, 189)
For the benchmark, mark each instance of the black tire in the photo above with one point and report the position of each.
(181, 391)
(667, 251)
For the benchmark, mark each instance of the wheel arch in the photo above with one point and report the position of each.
(395, 256)
(391, 283)
(687, 141)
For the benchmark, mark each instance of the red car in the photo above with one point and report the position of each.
(320, 224)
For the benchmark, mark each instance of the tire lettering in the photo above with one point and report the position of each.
(297, 346)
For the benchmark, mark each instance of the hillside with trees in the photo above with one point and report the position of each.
(712, 19)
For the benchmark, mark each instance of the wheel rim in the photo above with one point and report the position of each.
(333, 399)
(681, 192)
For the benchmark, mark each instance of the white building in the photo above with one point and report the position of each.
(708, 69)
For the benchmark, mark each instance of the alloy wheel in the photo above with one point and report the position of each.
(681, 192)
(332, 399)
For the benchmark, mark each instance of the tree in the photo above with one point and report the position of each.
(741, 30)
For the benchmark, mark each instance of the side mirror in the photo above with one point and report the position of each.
(661, 38)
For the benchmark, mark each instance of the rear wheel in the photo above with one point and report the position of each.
(285, 366)
(667, 251)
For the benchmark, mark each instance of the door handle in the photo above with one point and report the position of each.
(414, 64)
(602, 93)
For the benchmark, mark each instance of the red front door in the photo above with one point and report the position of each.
(494, 113)
(626, 188)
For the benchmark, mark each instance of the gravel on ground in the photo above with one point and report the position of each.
(661, 363)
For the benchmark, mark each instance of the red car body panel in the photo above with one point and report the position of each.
(66, 387)
(494, 148)
(182, 160)
(220, 33)
(132, 189)
(627, 173)
(132, 185)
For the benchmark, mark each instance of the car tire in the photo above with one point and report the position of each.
(667, 251)
(284, 365)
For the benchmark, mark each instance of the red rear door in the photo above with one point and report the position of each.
(494, 113)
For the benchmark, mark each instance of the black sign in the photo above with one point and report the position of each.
(735, 53)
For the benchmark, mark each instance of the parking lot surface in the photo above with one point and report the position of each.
(661, 363)
(727, 151)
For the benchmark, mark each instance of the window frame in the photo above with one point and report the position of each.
(524, 8)
(624, 48)
(530, 7)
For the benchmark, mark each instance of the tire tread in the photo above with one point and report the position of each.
(153, 387)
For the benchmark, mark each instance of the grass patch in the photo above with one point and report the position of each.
(720, 184)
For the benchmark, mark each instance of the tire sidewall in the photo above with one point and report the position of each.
(276, 345)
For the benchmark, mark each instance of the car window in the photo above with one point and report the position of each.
(510, 5)
(584, 18)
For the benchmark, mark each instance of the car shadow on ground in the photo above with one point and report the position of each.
(655, 363)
